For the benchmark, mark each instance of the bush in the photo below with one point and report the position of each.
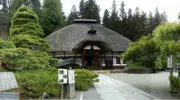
(35, 83)
(175, 83)
(135, 68)
(84, 79)
(23, 59)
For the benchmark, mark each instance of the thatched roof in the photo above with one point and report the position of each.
(75, 36)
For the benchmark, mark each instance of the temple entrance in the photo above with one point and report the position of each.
(91, 59)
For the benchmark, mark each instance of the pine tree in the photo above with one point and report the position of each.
(25, 30)
(73, 15)
(53, 18)
(90, 10)
(106, 18)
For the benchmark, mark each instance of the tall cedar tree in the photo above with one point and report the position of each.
(25, 30)
(73, 15)
(133, 25)
(106, 18)
(114, 18)
(53, 18)
(90, 10)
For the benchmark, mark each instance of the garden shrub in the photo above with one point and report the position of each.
(175, 81)
(23, 59)
(6, 44)
(135, 68)
(35, 83)
(84, 79)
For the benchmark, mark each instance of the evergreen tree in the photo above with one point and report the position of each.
(106, 18)
(164, 17)
(4, 21)
(123, 21)
(157, 18)
(90, 10)
(36, 6)
(25, 30)
(81, 8)
(33, 4)
(114, 18)
(73, 15)
(150, 22)
(53, 18)
(122, 11)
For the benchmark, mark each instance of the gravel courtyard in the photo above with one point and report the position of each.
(155, 84)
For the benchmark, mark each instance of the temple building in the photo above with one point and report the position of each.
(92, 45)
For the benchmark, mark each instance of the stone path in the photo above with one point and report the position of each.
(111, 89)
(9, 96)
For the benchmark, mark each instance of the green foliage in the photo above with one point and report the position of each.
(31, 42)
(6, 44)
(90, 10)
(25, 21)
(167, 32)
(52, 18)
(132, 25)
(24, 59)
(175, 83)
(15, 4)
(106, 18)
(53, 62)
(160, 62)
(135, 68)
(143, 51)
(84, 79)
(26, 32)
(35, 83)
(73, 15)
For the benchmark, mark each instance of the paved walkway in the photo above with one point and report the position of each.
(156, 84)
(111, 89)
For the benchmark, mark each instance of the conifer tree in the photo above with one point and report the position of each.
(26, 31)
(53, 18)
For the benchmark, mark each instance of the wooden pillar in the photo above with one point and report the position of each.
(104, 60)
(75, 59)
(112, 60)
(54, 54)
(64, 55)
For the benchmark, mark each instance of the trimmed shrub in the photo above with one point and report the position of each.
(134, 68)
(23, 59)
(84, 79)
(175, 83)
(6, 44)
(26, 31)
(34, 83)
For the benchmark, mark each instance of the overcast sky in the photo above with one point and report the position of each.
(172, 7)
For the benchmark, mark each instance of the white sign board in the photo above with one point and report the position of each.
(71, 76)
(62, 76)
(7, 81)
(169, 62)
